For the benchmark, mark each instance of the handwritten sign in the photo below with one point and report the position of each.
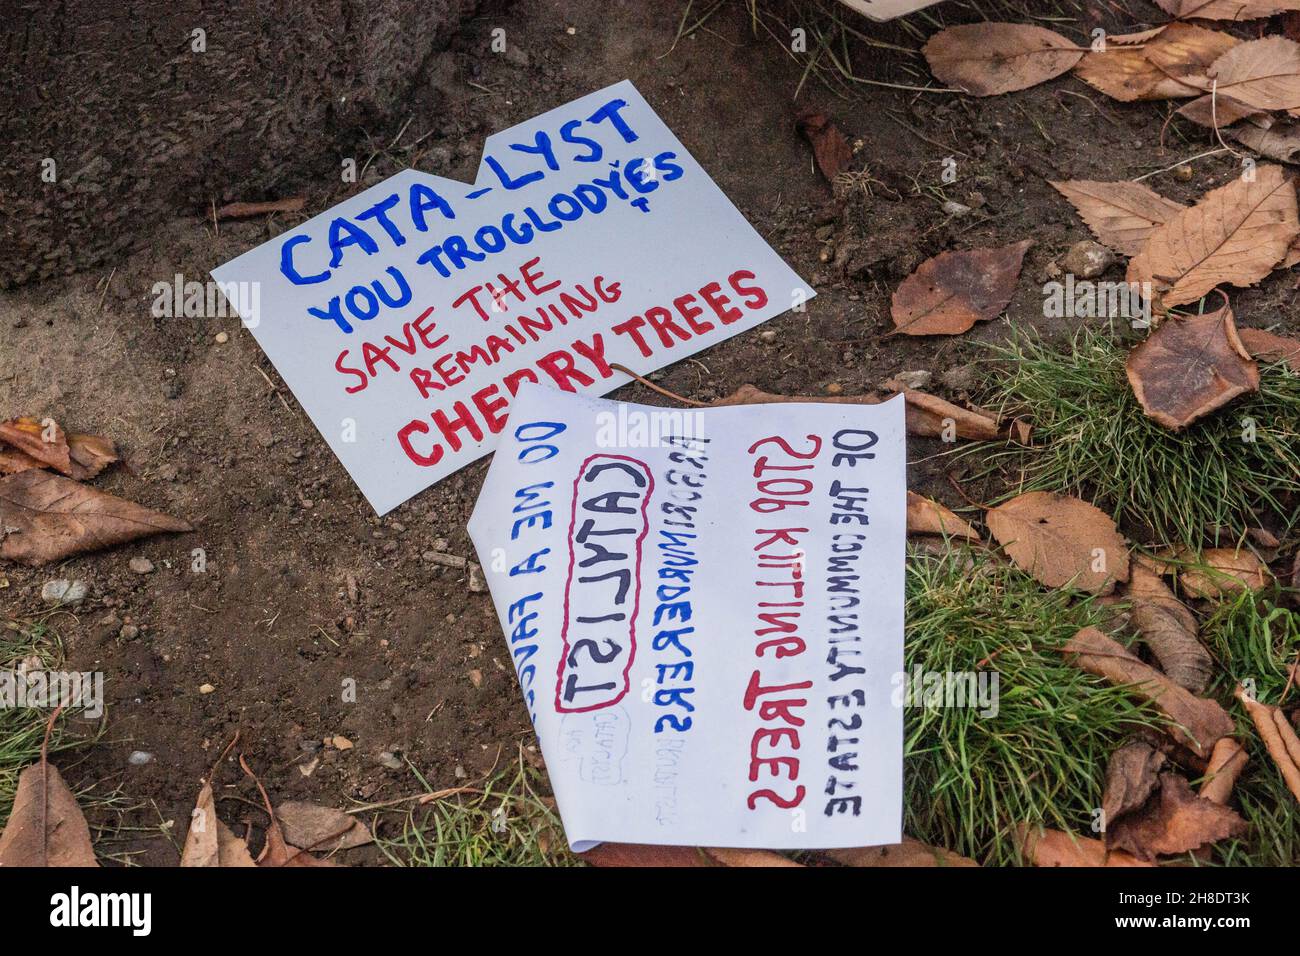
(705, 613)
(407, 318)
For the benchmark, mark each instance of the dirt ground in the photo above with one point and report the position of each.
(304, 587)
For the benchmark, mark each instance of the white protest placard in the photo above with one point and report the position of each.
(406, 318)
(705, 612)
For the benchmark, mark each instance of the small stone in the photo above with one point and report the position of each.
(834, 388)
(340, 742)
(767, 336)
(571, 31)
(956, 209)
(141, 565)
(390, 760)
(444, 560)
(460, 772)
(1087, 259)
(825, 232)
(918, 378)
(206, 689)
(130, 632)
(477, 583)
(63, 591)
(222, 338)
(476, 677)
(139, 758)
(1183, 173)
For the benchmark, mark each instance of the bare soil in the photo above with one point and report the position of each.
(304, 587)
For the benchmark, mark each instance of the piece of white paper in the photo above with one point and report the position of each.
(405, 318)
(888, 9)
(705, 612)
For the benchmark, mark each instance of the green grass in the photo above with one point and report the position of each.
(970, 779)
(1093, 440)
(22, 729)
(505, 822)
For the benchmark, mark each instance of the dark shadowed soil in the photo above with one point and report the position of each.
(304, 587)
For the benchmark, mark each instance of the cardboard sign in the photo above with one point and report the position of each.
(406, 319)
(705, 612)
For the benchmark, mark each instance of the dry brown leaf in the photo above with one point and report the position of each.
(90, 455)
(731, 856)
(1262, 73)
(927, 415)
(1061, 541)
(46, 517)
(243, 210)
(43, 441)
(831, 150)
(1226, 763)
(985, 59)
(645, 854)
(1169, 629)
(1271, 347)
(1132, 774)
(1236, 234)
(210, 842)
(46, 826)
(1280, 141)
(315, 827)
(1279, 738)
(277, 852)
(1044, 847)
(1191, 366)
(1227, 9)
(1220, 572)
(948, 294)
(1213, 111)
(12, 461)
(1121, 215)
(1173, 821)
(1158, 69)
(927, 516)
(1198, 723)
(910, 853)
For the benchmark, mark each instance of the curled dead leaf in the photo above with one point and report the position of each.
(1169, 629)
(314, 827)
(927, 516)
(1157, 68)
(909, 853)
(1061, 541)
(949, 293)
(1043, 847)
(1197, 723)
(1270, 347)
(1132, 774)
(1189, 367)
(831, 150)
(1175, 820)
(1279, 738)
(1227, 761)
(985, 59)
(209, 842)
(1220, 572)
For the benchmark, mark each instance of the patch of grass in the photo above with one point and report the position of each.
(1094, 441)
(971, 779)
(23, 728)
(505, 822)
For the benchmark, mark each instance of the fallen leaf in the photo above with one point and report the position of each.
(1219, 572)
(12, 461)
(1044, 847)
(1121, 215)
(645, 854)
(43, 441)
(46, 517)
(910, 853)
(926, 516)
(277, 852)
(1227, 9)
(1061, 541)
(1279, 738)
(90, 454)
(1261, 73)
(729, 856)
(1236, 234)
(927, 415)
(1175, 820)
(321, 828)
(1271, 347)
(1169, 629)
(244, 210)
(1226, 763)
(831, 150)
(1215, 112)
(210, 842)
(985, 59)
(1280, 141)
(1132, 774)
(949, 293)
(1190, 366)
(1155, 70)
(1198, 723)
(46, 826)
